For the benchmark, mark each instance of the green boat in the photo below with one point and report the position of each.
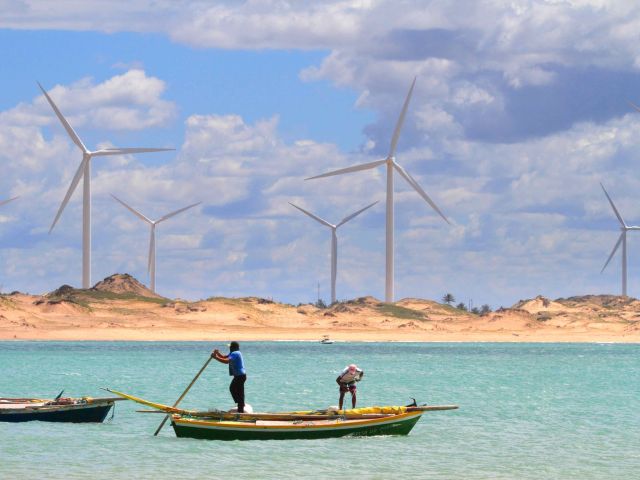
(316, 424)
(295, 429)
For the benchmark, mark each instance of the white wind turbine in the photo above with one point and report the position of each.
(151, 266)
(621, 239)
(334, 241)
(85, 170)
(391, 164)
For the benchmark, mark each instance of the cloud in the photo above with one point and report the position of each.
(500, 71)
(521, 213)
(519, 112)
(131, 101)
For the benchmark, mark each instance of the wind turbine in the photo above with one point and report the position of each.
(391, 164)
(151, 266)
(334, 241)
(621, 239)
(84, 170)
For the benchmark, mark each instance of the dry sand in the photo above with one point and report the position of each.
(120, 308)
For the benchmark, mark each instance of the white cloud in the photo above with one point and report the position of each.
(376, 47)
(246, 239)
(131, 101)
(521, 190)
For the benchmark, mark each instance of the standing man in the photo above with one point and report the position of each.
(347, 381)
(236, 370)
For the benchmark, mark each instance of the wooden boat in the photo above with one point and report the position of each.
(74, 410)
(316, 424)
(399, 424)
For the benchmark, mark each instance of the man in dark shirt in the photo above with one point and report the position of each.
(236, 370)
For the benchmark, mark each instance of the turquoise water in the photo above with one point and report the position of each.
(527, 411)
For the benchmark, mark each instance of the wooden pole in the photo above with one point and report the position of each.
(183, 395)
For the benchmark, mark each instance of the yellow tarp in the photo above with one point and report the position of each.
(387, 410)
(369, 410)
(157, 406)
(395, 410)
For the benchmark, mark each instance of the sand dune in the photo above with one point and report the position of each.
(121, 308)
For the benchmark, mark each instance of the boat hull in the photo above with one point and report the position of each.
(67, 413)
(303, 430)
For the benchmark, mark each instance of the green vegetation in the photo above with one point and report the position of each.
(7, 302)
(76, 300)
(320, 304)
(227, 300)
(400, 312)
(84, 298)
(485, 309)
(543, 316)
(448, 298)
(102, 295)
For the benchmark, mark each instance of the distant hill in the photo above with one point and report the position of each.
(122, 308)
(120, 284)
(124, 283)
(607, 301)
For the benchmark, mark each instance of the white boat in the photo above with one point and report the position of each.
(326, 340)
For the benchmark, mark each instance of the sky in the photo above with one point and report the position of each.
(520, 110)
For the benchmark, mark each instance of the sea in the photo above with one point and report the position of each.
(527, 411)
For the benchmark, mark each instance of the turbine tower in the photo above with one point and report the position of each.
(391, 164)
(621, 239)
(84, 170)
(334, 241)
(151, 265)
(4, 202)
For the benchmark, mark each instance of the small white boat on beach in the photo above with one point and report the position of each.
(326, 340)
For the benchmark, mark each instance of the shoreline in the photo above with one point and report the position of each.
(574, 342)
(97, 315)
(105, 335)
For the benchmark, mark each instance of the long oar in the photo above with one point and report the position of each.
(183, 394)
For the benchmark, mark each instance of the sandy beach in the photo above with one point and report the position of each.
(120, 308)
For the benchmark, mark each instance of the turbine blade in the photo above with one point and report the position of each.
(613, 252)
(634, 106)
(403, 113)
(74, 136)
(315, 217)
(4, 202)
(124, 151)
(152, 245)
(355, 168)
(615, 210)
(353, 215)
(132, 210)
(72, 188)
(169, 215)
(419, 189)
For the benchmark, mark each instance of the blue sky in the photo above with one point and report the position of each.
(520, 111)
(254, 84)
